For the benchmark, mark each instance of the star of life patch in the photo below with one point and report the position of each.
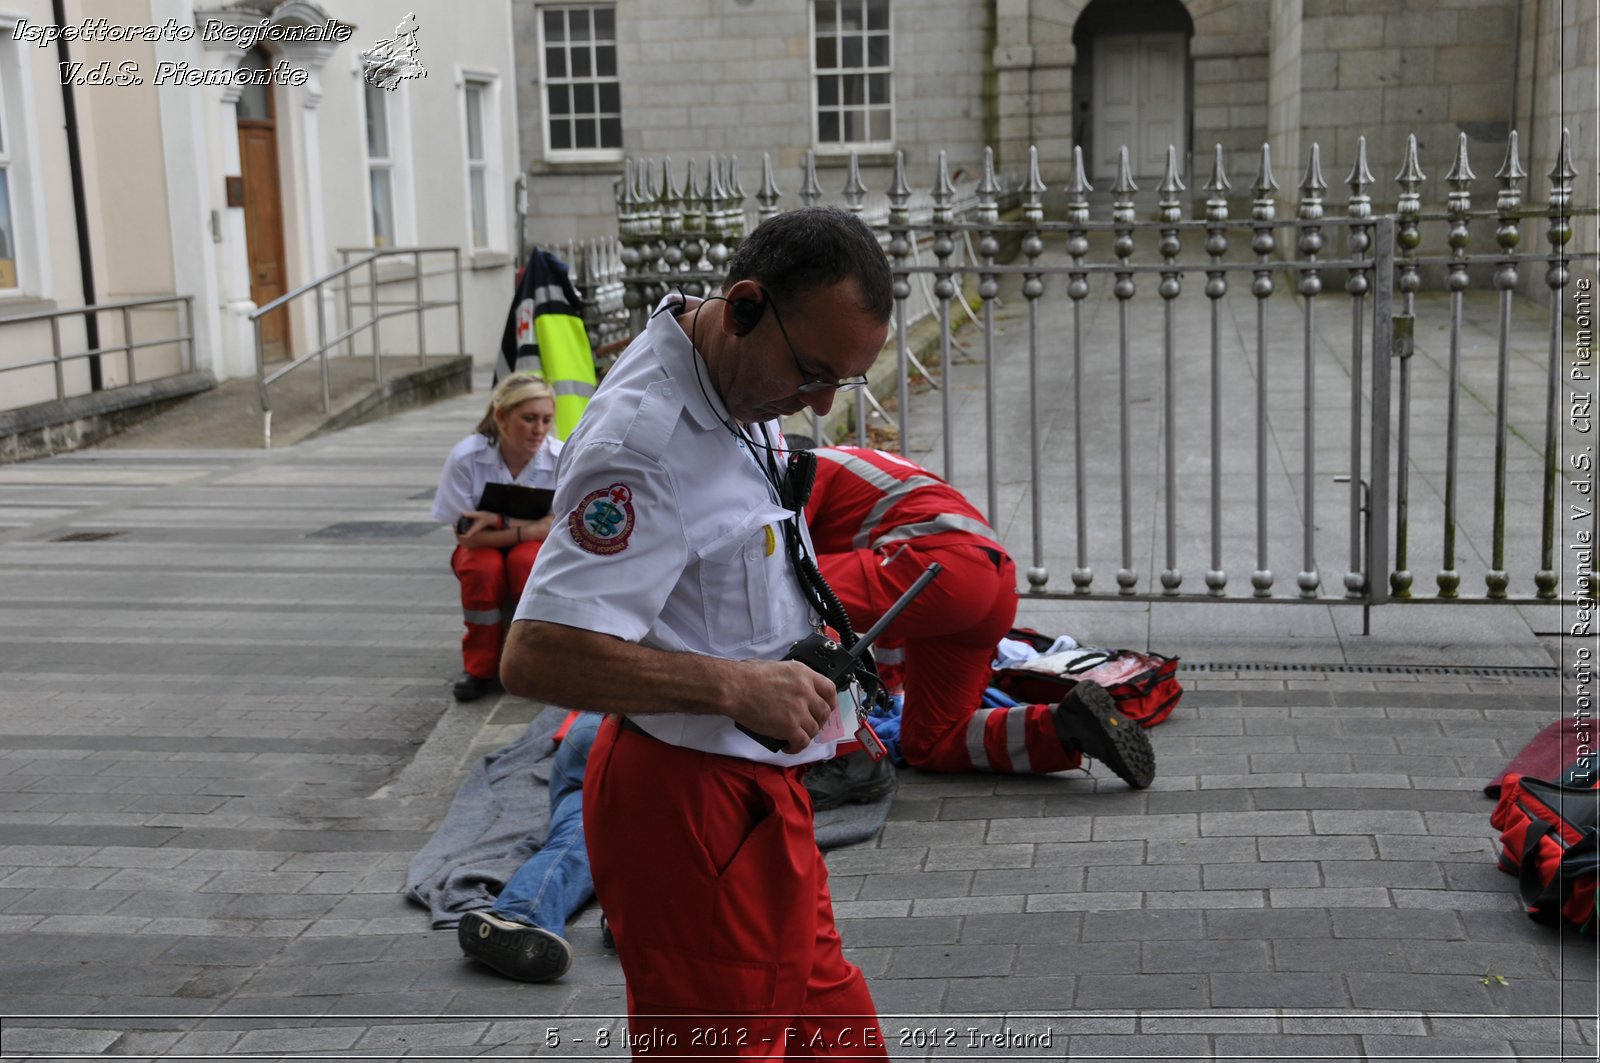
(603, 520)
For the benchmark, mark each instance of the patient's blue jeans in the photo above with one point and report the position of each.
(555, 882)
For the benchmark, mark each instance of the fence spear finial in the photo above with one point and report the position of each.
(1312, 184)
(810, 190)
(1360, 175)
(1561, 169)
(1460, 176)
(899, 188)
(1217, 184)
(1171, 185)
(1124, 186)
(1033, 205)
(988, 191)
(1078, 185)
(691, 185)
(715, 193)
(1265, 184)
(1410, 177)
(769, 195)
(669, 180)
(988, 186)
(1511, 169)
(1218, 181)
(854, 189)
(625, 197)
(943, 189)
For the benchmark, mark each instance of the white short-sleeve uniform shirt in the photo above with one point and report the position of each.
(668, 534)
(475, 462)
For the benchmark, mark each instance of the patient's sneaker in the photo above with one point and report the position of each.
(516, 950)
(1088, 721)
(854, 778)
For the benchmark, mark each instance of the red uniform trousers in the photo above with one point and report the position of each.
(488, 577)
(949, 634)
(708, 870)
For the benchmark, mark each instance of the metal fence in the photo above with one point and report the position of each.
(1228, 487)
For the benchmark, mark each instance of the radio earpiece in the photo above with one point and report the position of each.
(747, 314)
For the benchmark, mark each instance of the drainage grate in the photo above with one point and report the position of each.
(377, 529)
(424, 496)
(87, 536)
(1508, 672)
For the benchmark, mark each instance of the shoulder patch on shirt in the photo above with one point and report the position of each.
(603, 520)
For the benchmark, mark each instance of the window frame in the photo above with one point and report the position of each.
(24, 182)
(845, 147)
(490, 165)
(595, 154)
(380, 164)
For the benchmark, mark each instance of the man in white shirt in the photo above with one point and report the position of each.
(665, 595)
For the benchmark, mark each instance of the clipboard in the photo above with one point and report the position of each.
(514, 500)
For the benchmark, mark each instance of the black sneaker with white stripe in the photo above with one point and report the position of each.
(1088, 721)
(516, 950)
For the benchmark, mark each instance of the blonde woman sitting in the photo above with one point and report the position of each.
(494, 553)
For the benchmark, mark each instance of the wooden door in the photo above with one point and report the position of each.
(1140, 100)
(263, 228)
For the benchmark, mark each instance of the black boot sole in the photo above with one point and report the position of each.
(1106, 735)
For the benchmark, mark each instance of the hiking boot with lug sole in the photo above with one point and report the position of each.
(854, 778)
(1088, 721)
(516, 950)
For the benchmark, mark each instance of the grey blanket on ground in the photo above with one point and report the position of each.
(498, 819)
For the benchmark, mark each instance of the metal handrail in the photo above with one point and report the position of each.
(417, 306)
(184, 338)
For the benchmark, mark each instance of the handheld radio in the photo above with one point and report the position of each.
(823, 654)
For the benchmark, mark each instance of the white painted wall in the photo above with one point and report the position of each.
(156, 160)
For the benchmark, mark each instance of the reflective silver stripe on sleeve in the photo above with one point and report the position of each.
(572, 387)
(944, 522)
(976, 751)
(893, 491)
(889, 654)
(481, 616)
(549, 293)
(1017, 739)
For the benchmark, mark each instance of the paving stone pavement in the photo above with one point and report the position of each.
(226, 727)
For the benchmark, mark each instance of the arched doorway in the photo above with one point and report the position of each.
(1132, 84)
(263, 204)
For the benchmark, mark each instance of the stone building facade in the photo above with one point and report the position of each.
(750, 76)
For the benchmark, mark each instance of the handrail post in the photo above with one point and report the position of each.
(422, 324)
(188, 333)
(461, 322)
(261, 382)
(372, 307)
(55, 351)
(127, 342)
(322, 349)
(349, 313)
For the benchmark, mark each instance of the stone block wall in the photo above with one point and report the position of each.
(1387, 70)
(706, 77)
(1558, 90)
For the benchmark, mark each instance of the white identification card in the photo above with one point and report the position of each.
(842, 723)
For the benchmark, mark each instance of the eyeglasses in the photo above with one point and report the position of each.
(812, 383)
